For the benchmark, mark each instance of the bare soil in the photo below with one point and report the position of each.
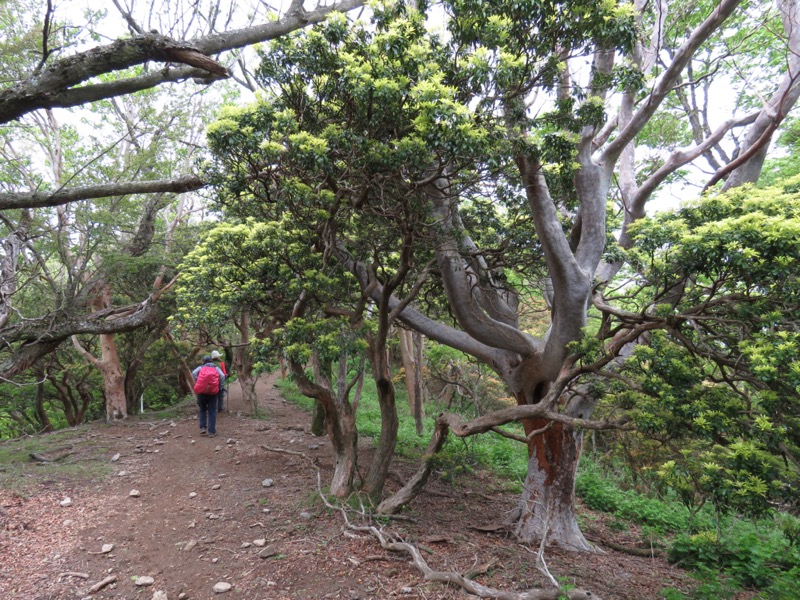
(203, 516)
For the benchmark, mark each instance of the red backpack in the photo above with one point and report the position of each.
(207, 380)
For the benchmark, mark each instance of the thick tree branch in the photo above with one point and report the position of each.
(42, 336)
(668, 79)
(187, 183)
(45, 90)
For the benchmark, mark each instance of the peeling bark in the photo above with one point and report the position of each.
(547, 507)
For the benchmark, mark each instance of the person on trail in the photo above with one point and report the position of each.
(208, 381)
(221, 364)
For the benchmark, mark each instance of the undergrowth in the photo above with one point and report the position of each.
(726, 554)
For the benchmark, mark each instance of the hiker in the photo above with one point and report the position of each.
(208, 381)
(221, 364)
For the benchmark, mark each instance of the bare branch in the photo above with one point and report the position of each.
(187, 183)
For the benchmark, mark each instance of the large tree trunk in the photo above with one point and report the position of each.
(547, 507)
(113, 379)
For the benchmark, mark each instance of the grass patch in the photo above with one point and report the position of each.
(600, 492)
(74, 458)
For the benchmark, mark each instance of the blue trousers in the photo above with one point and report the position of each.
(208, 411)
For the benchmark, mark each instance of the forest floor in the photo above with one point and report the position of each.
(191, 511)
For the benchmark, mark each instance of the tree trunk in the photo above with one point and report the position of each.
(345, 446)
(410, 353)
(113, 379)
(416, 483)
(341, 425)
(132, 390)
(318, 419)
(382, 459)
(547, 506)
(185, 379)
(322, 375)
(242, 364)
(41, 413)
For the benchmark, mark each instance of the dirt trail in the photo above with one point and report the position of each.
(203, 515)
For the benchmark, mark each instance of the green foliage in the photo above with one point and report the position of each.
(599, 492)
(725, 554)
(718, 388)
(750, 556)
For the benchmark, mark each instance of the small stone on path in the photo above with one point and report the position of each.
(115, 458)
(66, 502)
(135, 494)
(260, 543)
(216, 486)
(222, 587)
(267, 483)
(192, 494)
(305, 515)
(144, 580)
(267, 552)
(159, 595)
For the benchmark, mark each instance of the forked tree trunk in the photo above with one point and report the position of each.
(345, 448)
(341, 426)
(547, 506)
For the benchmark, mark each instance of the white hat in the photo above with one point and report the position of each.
(215, 355)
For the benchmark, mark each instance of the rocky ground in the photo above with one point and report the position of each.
(149, 509)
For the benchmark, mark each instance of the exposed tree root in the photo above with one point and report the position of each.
(451, 577)
(101, 584)
(429, 574)
(645, 552)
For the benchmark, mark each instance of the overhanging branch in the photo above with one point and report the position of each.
(180, 185)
